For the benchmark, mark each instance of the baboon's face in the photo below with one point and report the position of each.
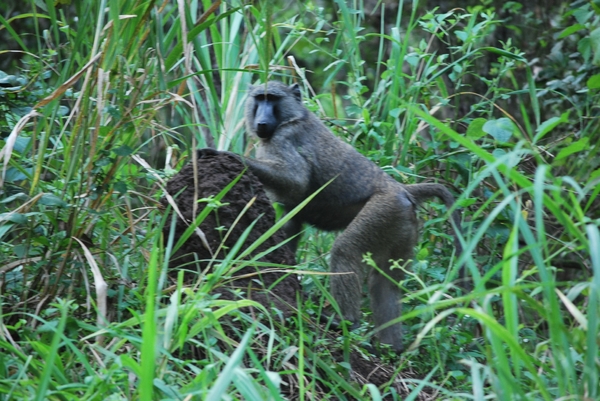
(266, 114)
(272, 105)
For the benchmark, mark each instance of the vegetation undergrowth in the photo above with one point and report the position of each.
(102, 102)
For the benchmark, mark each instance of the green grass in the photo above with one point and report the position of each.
(104, 101)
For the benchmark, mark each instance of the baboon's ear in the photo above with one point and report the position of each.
(296, 91)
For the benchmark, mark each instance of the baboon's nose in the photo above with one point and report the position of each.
(262, 130)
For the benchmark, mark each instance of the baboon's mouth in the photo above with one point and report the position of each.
(263, 132)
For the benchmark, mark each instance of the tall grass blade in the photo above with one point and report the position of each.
(149, 335)
(591, 369)
(52, 355)
(217, 392)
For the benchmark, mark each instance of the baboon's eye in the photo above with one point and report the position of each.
(268, 97)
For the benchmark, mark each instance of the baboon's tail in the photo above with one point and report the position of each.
(422, 192)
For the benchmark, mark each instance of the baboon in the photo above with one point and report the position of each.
(296, 156)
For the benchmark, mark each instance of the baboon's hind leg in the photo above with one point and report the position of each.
(387, 228)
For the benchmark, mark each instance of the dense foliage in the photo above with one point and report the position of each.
(102, 101)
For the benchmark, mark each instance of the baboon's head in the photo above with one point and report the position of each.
(272, 105)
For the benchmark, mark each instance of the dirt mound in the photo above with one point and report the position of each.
(214, 173)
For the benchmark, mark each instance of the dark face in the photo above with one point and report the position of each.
(266, 115)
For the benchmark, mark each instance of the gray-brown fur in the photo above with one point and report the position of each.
(297, 155)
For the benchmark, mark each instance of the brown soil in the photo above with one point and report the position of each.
(214, 172)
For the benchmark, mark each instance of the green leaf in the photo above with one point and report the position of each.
(395, 112)
(462, 35)
(465, 203)
(121, 187)
(549, 125)
(595, 44)
(498, 153)
(583, 14)
(52, 200)
(21, 144)
(501, 129)
(149, 331)
(18, 218)
(575, 147)
(210, 21)
(584, 48)
(570, 30)
(227, 374)
(475, 129)
(504, 53)
(4, 228)
(423, 254)
(593, 82)
(46, 379)
(18, 196)
(123, 150)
